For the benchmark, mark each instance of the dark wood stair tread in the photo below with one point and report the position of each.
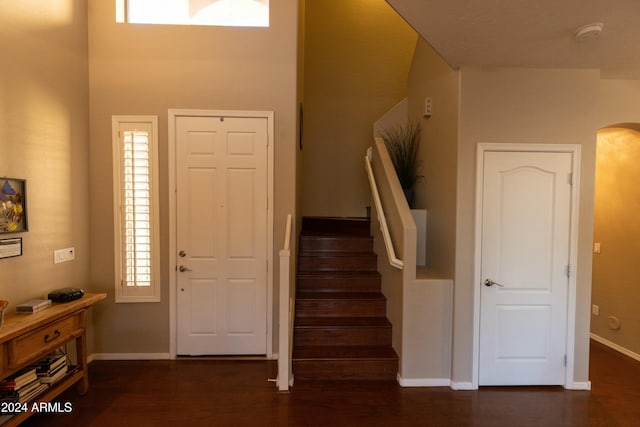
(338, 261)
(339, 281)
(333, 233)
(344, 353)
(341, 322)
(338, 274)
(336, 225)
(326, 235)
(341, 331)
(331, 243)
(305, 295)
(337, 254)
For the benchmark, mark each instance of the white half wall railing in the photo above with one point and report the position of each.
(285, 314)
(384, 228)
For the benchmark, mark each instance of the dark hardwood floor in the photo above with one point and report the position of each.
(236, 393)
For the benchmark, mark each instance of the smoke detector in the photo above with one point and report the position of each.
(589, 31)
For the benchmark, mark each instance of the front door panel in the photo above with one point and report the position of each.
(221, 235)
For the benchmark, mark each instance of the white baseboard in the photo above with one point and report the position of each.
(424, 382)
(580, 385)
(462, 385)
(616, 347)
(129, 356)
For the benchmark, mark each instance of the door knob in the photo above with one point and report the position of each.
(182, 254)
(489, 282)
(182, 269)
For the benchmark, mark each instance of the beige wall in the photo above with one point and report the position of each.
(431, 77)
(357, 55)
(618, 102)
(427, 331)
(44, 129)
(523, 106)
(616, 227)
(147, 69)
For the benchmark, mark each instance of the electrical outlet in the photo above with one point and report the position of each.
(595, 310)
(64, 255)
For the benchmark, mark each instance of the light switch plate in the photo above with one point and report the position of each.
(64, 255)
(428, 103)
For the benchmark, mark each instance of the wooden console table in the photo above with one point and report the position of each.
(26, 338)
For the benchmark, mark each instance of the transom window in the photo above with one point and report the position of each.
(234, 13)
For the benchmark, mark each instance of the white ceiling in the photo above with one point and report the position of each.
(529, 33)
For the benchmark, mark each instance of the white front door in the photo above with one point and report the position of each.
(221, 235)
(525, 243)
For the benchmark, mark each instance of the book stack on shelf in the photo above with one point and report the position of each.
(51, 368)
(22, 386)
(33, 306)
(27, 383)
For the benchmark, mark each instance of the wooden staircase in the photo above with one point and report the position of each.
(341, 331)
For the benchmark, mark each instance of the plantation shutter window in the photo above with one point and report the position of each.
(135, 209)
(136, 205)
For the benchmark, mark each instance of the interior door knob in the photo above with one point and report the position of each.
(182, 269)
(489, 282)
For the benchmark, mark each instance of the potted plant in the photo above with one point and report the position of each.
(403, 143)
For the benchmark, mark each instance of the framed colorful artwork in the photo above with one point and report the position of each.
(13, 205)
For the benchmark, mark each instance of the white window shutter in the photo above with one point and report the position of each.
(135, 210)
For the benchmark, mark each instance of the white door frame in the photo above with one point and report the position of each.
(173, 262)
(574, 150)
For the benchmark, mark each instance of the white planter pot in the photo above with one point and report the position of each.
(420, 218)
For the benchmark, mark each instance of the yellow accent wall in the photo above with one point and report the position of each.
(44, 130)
(617, 229)
(357, 57)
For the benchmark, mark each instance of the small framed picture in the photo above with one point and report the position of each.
(10, 247)
(13, 205)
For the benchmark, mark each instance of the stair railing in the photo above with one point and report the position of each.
(384, 227)
(285, 314)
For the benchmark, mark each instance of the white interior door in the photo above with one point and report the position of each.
(525, 244)
(221, 235)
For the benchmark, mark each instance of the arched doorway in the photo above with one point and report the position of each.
(615, 318)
